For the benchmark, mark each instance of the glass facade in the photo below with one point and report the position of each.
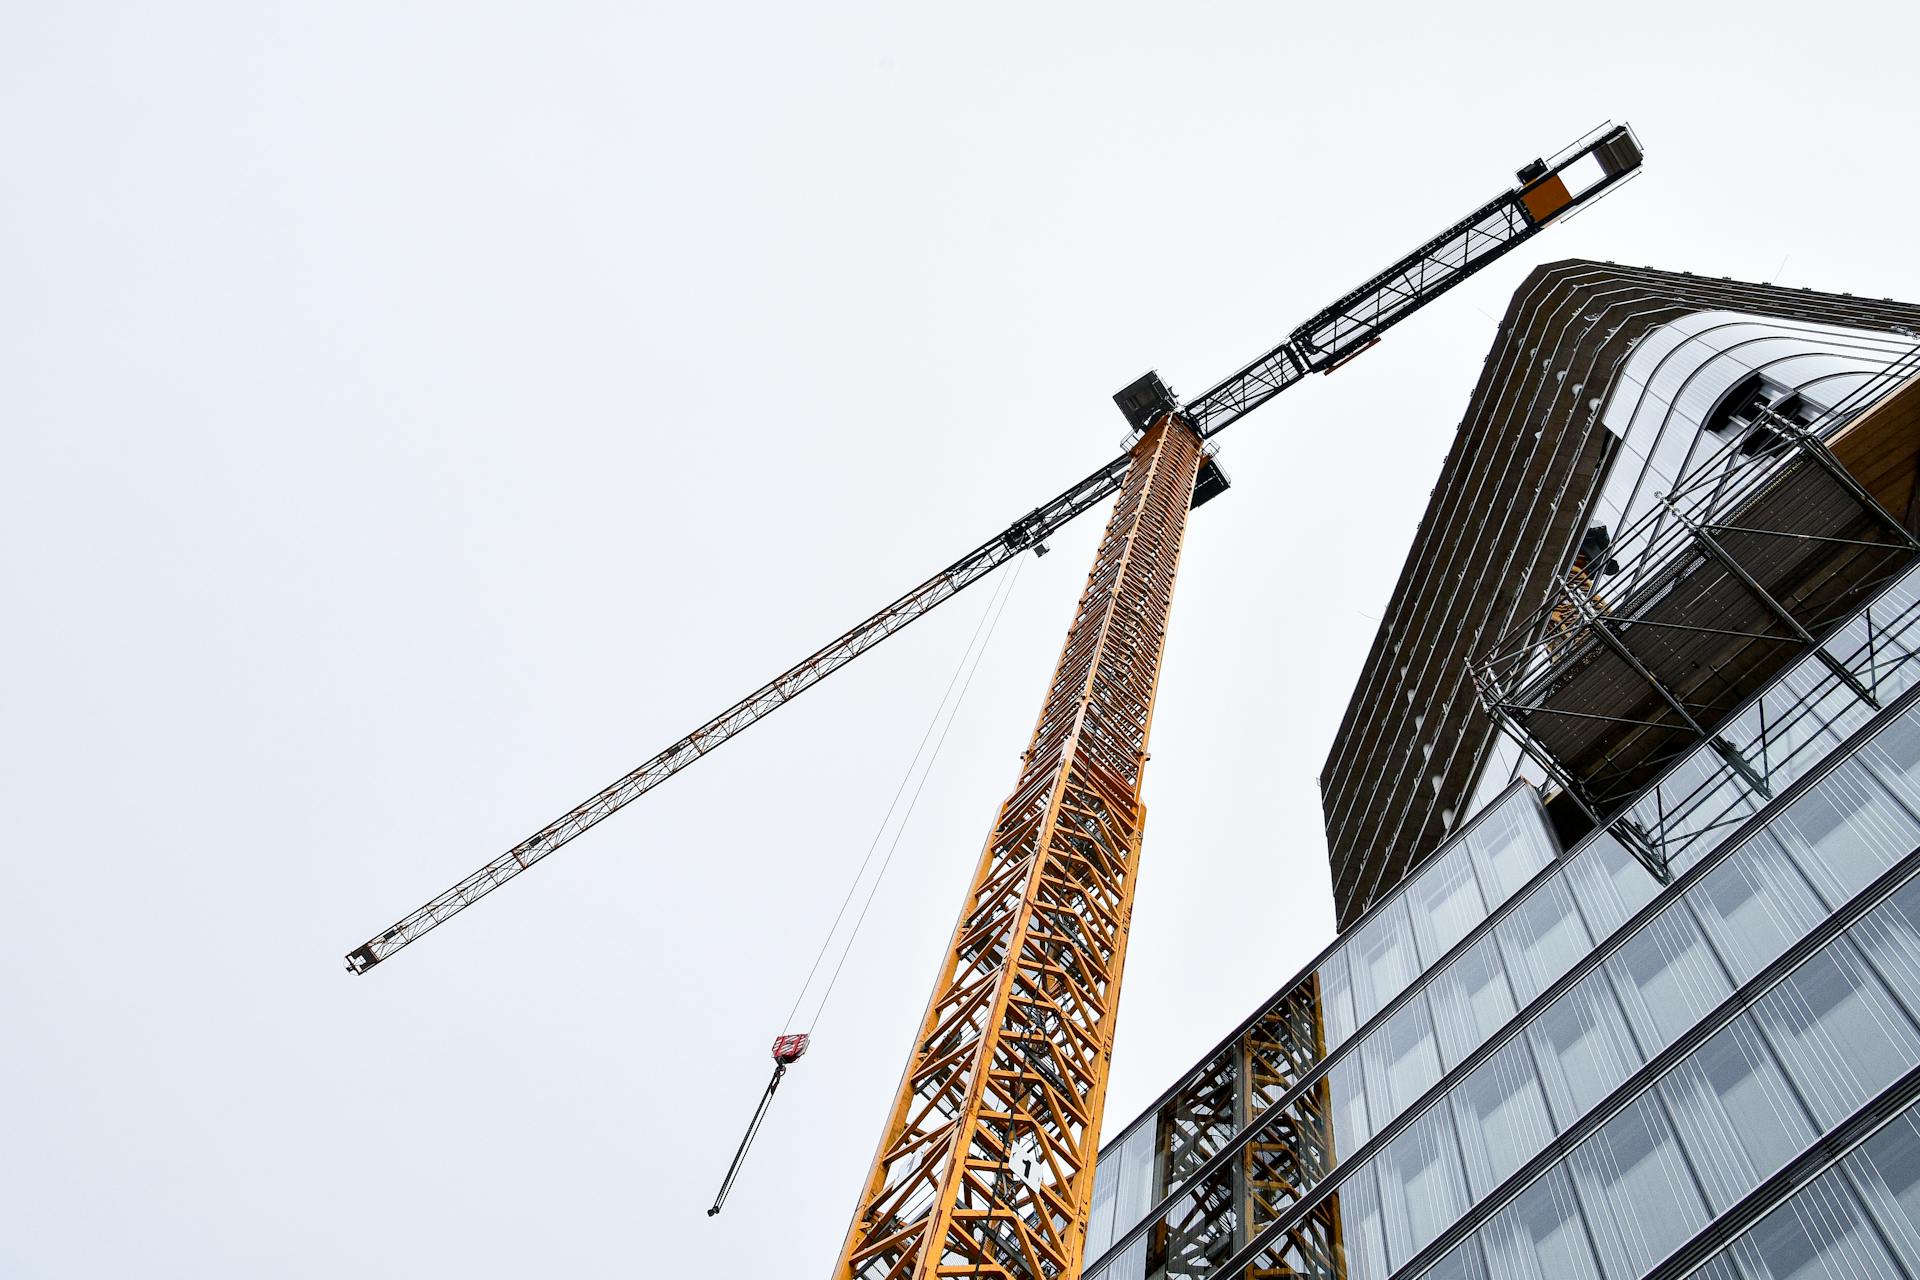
(1537, 1062)
(1858, 1216)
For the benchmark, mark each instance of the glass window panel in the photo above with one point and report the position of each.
(1896, 633)
(1849, 642)
(1879, 643)
(1894, 755)
(1581, 1045)
(1382, 958)
(1846, 831)
(1890, 935)
(1827, 713)
(1610, 884)
(1421, 1191)
(1896, 600)
(1695, 807)
(1462, 1262)
(1401, 1060)
(1122, 1190)
(1509, 846)
(1133, 1195)
(1667, 979)
(1636, 1190)
(1754, 905)
(1806, 715)
(1198, 1119)
(1886, 1170)
(1820, 1234)
(1129, 1264)
(1541, 938)
(1715, 816)
(1361, 1234)
(1336, 998)
(1501, 1114)
(1470, 1000)
(1736, 1114)
(1193, 1232)
(1742, 732)
(1539, 1236)
(1721, 1267)
(1837, 1031)
(1446, 904)
(1106, 1180)
(1349, 1100)
(1741, 1260)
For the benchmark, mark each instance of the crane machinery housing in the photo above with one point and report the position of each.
(985, 1166)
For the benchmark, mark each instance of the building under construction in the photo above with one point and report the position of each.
(1622, 819)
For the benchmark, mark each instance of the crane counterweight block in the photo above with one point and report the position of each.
(1210, 484)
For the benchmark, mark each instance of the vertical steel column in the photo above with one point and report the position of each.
(986, 1164)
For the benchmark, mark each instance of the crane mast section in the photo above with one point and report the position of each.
(986, 1163)
(1355, 322)
(1026, 532)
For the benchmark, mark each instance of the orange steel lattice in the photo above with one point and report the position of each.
(986, 1165)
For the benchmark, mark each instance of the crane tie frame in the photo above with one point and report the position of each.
(1584, 172)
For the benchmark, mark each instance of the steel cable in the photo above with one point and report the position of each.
(968, 666)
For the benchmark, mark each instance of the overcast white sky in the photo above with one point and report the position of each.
(417, 415)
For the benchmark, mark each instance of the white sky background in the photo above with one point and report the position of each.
(418, 415)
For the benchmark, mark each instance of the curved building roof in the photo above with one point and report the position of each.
(1512, 501)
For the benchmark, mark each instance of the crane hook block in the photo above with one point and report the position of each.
(786, 1051)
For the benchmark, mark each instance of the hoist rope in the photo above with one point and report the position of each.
(962, 678)
(963, 674)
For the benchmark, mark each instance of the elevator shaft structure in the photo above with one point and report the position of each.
(986, 1164)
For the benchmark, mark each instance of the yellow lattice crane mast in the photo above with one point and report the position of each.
(987, 1160)
(985, 1168)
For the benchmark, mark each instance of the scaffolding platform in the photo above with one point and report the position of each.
(1754, 559)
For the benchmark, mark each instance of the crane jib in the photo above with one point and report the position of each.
(1028, 531)
(1356, 321)
(1337, 333)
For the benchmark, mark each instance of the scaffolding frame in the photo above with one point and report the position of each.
(1755, 557)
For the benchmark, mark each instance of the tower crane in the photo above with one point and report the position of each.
(985, 1167)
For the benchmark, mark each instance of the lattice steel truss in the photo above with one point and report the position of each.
(1356, 322)
(1197, 1123)
(1293, 1150)
(986, 1164)
(1225, 1203)
(1029, 531)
